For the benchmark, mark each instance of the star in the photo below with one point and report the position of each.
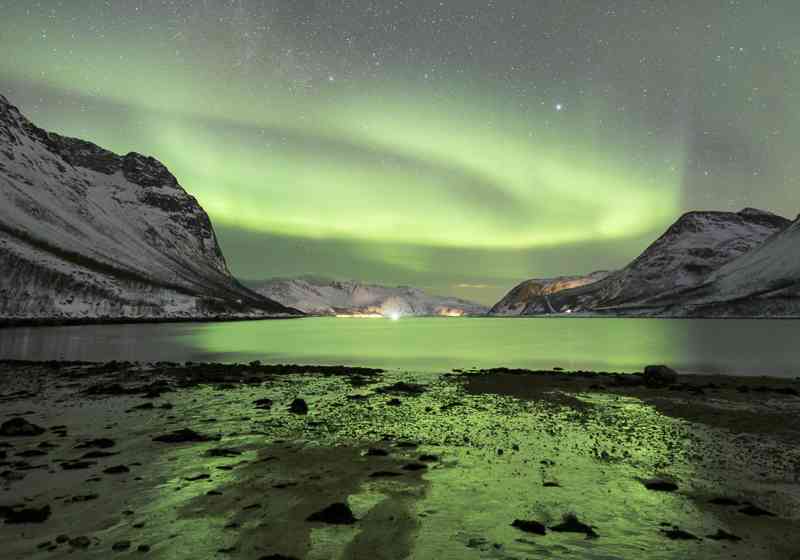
(559, 107)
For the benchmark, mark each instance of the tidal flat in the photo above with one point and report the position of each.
(166, 460)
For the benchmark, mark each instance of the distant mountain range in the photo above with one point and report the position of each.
(86, 233)
(320, 296)
(709, 264)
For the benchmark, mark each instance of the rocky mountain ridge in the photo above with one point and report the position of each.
(86, 233)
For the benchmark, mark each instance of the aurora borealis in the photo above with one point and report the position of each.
(459, 145)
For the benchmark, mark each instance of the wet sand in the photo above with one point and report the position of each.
(213, 461)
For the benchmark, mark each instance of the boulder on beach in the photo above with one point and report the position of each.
(20, 427)
(659, 376)
(335, 514)
(529, 526)
(298, 406)
(18, 515)
(184, 435)
(571, 524)
(660, 485)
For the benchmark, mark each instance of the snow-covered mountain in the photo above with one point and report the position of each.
(696, 246)
(86, 233)
(764, 281)
(319, 296)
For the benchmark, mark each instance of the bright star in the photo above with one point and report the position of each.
(559, 106)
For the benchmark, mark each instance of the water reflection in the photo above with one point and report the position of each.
(434, 344)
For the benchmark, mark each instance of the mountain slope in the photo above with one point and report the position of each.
(764, 281)
(87, 233)
(332, 297)
(695, 246)
(532, 296)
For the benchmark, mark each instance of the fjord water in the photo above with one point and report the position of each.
(742, 347)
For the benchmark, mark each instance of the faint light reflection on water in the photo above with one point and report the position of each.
(743, 347)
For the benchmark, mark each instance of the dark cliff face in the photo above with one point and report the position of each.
(160, 189)
(691, 249)
(113, 233)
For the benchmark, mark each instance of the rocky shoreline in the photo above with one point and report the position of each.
(77, 321)
(167, 460)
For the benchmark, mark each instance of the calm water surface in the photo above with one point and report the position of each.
(744, 347)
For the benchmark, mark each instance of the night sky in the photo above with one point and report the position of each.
(458, 145)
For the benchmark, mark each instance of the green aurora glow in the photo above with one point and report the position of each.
(465, 180)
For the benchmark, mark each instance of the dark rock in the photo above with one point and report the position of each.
(77, 465)
(414, 467)
(529, 526)
(571, 524)
(660, 485)
(30, 453)
(198, 477)
(117, 469)
(403, 388)
(384, 474)
(120, 546)
(83, 498)
(394, 402)
(263, 404)
(335, 514)
(677, 534)
(18, 427)
(628, 380)
(143, 548)
(100, 443)
(428, 458)
(222, 452)
(721, 535)
(376, 452)
(80, 542)
(724, 501)
(298, 406)
(659, 376)
(550, 484)
(755, 511)
(98, 455)
(184, 435)
(17, 515)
